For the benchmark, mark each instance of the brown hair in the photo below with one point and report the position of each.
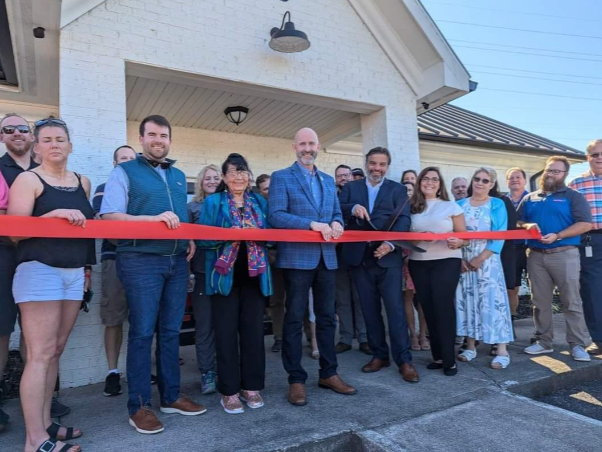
(513, 169)
(418, 201)
(558, 158)
(592, 144)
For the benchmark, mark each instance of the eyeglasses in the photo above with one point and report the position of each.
(43, 122)
(234, 173)
(344, 176)
(9, 130)
(595, 155)
(434, 180)
(555, 172)
(478, 179)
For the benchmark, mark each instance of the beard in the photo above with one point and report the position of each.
(307, 158)
(549, 184)
(375, 177)
(20, 150)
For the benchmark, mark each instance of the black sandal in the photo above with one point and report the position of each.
(493, 350)
(50, 446)
(53, 431)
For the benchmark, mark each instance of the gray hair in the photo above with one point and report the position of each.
(490, 172)
(458, 178)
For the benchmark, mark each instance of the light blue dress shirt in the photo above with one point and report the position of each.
(314, 184)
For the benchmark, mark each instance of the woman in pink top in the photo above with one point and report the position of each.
(3, 195)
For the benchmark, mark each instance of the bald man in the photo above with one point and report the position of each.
(301, 197)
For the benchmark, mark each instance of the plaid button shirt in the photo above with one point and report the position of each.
(590, 186)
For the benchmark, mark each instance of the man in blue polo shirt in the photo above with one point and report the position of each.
(561, 215)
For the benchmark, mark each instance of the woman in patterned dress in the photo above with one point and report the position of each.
(482, 307)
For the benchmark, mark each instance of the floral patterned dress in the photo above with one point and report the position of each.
(482, 307)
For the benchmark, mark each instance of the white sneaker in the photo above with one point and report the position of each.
(579, 354)
(537, 349)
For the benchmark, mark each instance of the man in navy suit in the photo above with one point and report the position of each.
(301, 197)
(376, 266)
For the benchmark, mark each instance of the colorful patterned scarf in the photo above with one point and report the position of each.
(250, 218)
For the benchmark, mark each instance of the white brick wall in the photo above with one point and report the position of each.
(225, 39)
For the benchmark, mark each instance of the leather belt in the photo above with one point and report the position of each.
(558, 249)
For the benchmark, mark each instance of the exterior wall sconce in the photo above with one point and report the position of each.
(286, 39)
(236, 115)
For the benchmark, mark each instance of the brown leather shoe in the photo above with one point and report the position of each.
(365, 348)
(184, 405)
(337, 385)
(375, 365)
(297, 394)
(342, 348)
(409, 373)
(145, 421)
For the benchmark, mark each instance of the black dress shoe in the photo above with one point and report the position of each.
(57, 409)
(277, 346)
(450, 371)
(365, 348)
(434, 366)
(341, 348)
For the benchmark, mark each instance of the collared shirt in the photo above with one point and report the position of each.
(590, 185)
(116, 192)
(517, 203)
(314, 184)
(373, 193)
(553, 213)
(11, 169)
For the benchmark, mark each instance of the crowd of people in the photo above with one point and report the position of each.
(435, 293)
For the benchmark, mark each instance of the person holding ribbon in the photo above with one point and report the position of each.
(436, 272)
(3, 195)
(207, 182)
(238, 280)
(482, 306)
(49, 281)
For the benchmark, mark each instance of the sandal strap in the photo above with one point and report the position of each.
(53, 430)
(66, 447)
(47, 446)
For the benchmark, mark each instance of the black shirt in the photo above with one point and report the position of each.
(11, 169)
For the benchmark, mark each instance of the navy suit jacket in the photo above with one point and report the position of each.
(292, 206)
(390, 196)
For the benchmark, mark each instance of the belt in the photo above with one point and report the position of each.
(595, 231)
(558, 249)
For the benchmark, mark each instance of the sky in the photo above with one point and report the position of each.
(547, 81)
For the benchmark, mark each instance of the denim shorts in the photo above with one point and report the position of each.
(35, 281)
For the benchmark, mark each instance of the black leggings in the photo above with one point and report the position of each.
(435, 282)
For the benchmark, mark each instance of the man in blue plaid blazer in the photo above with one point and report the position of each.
(301, 197)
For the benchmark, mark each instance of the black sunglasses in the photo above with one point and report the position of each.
(478, 179)
(9, 130)
(595, 155)
(43, 122)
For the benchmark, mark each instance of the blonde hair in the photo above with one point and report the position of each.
(199, 194)
(592, 144)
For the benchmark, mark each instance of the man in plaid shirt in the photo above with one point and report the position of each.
(589, 184)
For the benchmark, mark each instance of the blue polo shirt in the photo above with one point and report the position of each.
(553, 213)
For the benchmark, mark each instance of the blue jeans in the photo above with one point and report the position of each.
(155, 288)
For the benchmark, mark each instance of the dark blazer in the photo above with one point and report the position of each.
(390, 196)
(291, 206)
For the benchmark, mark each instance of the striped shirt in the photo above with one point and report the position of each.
(590, 186)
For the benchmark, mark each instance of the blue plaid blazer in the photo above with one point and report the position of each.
(292, 206)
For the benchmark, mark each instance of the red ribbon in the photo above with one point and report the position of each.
(15, 226)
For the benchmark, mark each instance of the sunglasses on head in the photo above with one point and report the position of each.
(9, 130)
(595, 155)
(478, 179)
(43, 122)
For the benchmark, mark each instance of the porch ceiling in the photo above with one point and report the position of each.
(202, 107)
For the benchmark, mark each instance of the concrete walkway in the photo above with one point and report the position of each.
(480, 409)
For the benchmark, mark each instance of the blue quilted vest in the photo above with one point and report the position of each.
(150, 194)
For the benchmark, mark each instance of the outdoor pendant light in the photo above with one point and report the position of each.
(286, 39)
(236, 115)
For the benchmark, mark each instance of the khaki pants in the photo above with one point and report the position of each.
(560, 270)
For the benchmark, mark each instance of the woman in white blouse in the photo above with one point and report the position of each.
(437, 271)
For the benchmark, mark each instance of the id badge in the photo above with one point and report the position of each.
(589, 252)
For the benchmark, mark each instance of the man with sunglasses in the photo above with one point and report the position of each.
(589, 184)
(16, 136)
(561, 214)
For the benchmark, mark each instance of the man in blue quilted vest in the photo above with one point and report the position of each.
(302, 197)
(154, 273)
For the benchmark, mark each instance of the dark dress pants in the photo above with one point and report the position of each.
(591, 284)
(298, 282)
(435, 282)
(238, 325)
(373, 284)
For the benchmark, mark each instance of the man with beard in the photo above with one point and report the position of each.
(349, 312)
(302, 197)
(589, 184)
(459, 188)
(16, 135)
(561, 214)
(154, 273)
(376, 266)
